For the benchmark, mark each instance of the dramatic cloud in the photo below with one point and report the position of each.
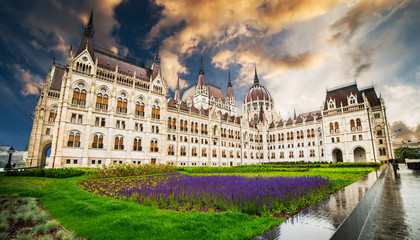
(221, 22)
(30, 84)
(55, 25)
(401, 132)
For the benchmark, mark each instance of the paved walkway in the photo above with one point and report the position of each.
(398, 214)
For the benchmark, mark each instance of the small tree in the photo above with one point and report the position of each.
(410, 153)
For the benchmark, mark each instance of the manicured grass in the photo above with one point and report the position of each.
(96, 217)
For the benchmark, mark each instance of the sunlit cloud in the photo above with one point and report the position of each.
(30, 84)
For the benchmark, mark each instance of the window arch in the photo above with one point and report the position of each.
(169, 123)
(119, 143)
(230, 154)
(154, 146)
(238, 154)
(331, 105)
(171, 150)
(291, 154)
(223, 153)
(359, 124)
(102, 100)
(98, 141)
(331, 127)
(337, 126)
(183, 151)
(137, 144)
(194, 152)
(156, 110)
(79, 95)
(204, 152)
(74, 139)
(139, 111)
(352, 100)
(214, 152)
(53, 114)
(122, 103)
(352, 125)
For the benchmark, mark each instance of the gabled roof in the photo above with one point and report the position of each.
(223, 116)
(299, 119)
(183, 106)
(194, 109)
(309, 118)
(189, 92)
(341, 94)
(171, 103)
(204, 112)
(272, 125)
(281, 123)
(238, 119)
(215, 92)
(289, 121)
(57, 78)
(372, 97)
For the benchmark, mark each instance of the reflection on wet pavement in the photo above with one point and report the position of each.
(322, 220)
(398, 215)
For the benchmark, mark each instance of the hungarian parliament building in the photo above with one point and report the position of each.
(100, 108)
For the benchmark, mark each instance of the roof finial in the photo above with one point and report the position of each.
(89, 29)
(54, 60)
(156, 58)
(201, 67)
(177, 83)
(256, 80)
(229, 82)
(294, 115)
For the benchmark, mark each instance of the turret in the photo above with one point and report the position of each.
(87, 38)
(156, 62)
(201, 82)
(229, 93)
(177, 97)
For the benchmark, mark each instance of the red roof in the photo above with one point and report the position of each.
(171, 103)
(272, 125)
(281, 124)
(57, 78)
(309, 118)
(215, 92)
(229, 93)
(203, 112)
(183, 106)
(372, 97)
(299, 119)
(257, 92)
(201, 81)
(85, 40)
(194, 109)
(238, 119)
(289, 121)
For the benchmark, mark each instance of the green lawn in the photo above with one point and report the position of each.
(95, 217)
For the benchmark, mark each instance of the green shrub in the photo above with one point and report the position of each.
(24, 236)
(3, 236)
(51, 225)
(47, 237)
(40, 229)
(50, 173)
(354, 164)
(127, 170)
(242, 169)
(3, 226)
(41, 217)
(63, 235)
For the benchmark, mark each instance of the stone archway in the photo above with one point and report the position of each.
(45, 151)
(359, 154)
(337, 155)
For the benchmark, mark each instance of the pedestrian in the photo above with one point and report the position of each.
(395, 166)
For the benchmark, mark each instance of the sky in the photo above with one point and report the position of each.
(300, 48)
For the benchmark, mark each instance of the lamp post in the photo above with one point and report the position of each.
(9, 164)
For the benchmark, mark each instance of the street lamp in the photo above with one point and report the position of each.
(9, 165)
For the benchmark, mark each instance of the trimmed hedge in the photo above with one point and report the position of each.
(241, 169)
(49, 173)
(355, 164)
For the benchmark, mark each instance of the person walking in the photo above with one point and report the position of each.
(395, 166)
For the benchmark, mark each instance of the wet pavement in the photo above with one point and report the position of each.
(322, 220)
(398, 212)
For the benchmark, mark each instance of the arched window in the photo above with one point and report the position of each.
(122, 104)
(359, 124)
(154, 146)
(291, 135)
(352, 125)
(245, 155)
(53, 114)
(102, 100)
(223, 153)
(308, 133)
(214, 152)
(174, 123)
(185, 126)
(230, 154)
(74, 139)
(291, 154)
(156, 111)
(331, 127)
(204, 152)
(337, 126)
(281, 154)
(331, 104)
(169, 123)
(194, 152)
(139, 111)
(183, 151)
(79, 95)
(98, 141)
(181, 125)
(119, 143)
(352, 100)
(171, 151)
(312, 132)
(137, 144)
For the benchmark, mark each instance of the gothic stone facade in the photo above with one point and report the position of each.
(102, 109)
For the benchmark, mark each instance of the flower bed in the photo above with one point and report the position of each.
(275, 195)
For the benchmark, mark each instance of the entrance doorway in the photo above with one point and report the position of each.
(45, 155)
(359, 154)
(337, 155)
(153, 161)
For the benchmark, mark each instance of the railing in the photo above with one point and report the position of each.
(346, 109)
(54, 94)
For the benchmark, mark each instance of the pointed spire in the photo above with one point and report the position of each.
(256, 80)
(156, 58)
(54, 60)
(294, 115)
(201, 67)
(177, 97)
(229, 82)
(89, 29)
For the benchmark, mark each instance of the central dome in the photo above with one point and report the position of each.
(257, 92)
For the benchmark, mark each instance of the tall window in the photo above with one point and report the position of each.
(214, 152)
(53, 114)
(352, 125)
(352, 100)
(230, 154)
(139, 111)
(79, 95)
(181, 125)
(74, 139)
(337, 126)
(156, 111)
(281, 154)
(185, 126)
(291, 154)
(171, 151)
(119, 143)
(183, 151)
(204, 152)
(223, 153)
(137, 144)
(331, 127)
(122, 104)
(98, 141)
(102, 100)
(194, 152)
(359, 124)
(154, 146)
